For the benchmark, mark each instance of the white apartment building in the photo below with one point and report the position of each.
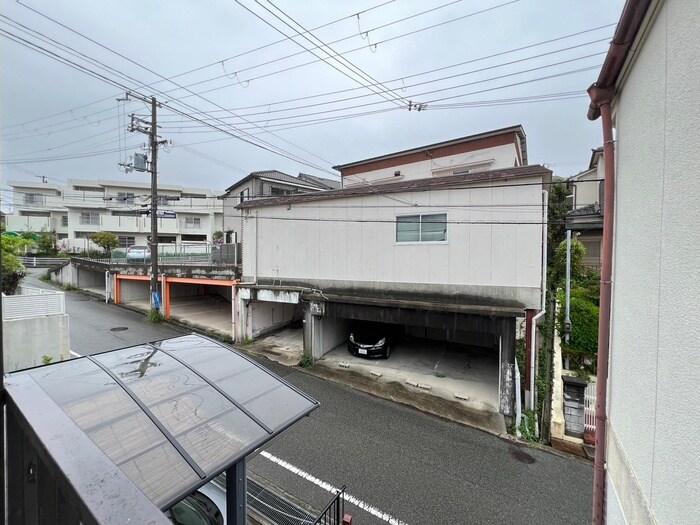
(81, 208)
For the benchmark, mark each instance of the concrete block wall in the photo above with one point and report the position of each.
(26, 341)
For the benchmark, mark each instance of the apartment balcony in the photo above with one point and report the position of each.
(23, 224)
(120, 224)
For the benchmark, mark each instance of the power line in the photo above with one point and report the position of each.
(85, 70)
(354, 115)
(396, 99)
(351, 50)
(418, 74)
(353, 15)
(473, 71)
(479, 59)
(252, 141)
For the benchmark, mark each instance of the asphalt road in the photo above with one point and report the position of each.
(399, 465)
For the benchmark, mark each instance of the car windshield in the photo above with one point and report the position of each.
(196, 509)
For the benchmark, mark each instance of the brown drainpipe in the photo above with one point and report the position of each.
(633, 15)
(602, 98)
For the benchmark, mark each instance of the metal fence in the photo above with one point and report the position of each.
(589, 408)
(33, 302)
(335, 510)
(43, 262)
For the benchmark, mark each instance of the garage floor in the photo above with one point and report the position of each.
(468, 375)
(208, 312)
(457, 372)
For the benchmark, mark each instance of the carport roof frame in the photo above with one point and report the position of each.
(170, 415)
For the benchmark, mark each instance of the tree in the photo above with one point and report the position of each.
(218, 237)
(584, 314)
(556, 215)
(47, 243)
(105, 240)
(558, 264)
(12, 270)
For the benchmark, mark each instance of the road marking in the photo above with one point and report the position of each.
(75, 354)
(374, 511)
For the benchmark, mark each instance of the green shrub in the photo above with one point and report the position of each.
(306, 360)
(155, 317)
(527, 426)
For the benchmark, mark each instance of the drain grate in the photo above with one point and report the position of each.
(118, 328)
(276, 508)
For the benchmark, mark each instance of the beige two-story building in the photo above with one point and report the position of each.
(449, 250)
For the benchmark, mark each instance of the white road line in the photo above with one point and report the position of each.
(75, 354)
(374, 511)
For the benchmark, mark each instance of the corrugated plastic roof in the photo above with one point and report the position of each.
(171, 414)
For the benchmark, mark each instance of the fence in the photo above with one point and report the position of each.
(33, 302)
(43, 262)
(589, 408)
(335, 510)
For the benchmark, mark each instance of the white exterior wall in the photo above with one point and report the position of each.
(587, 192)
(232, 217)
(325, 245)
(654, 428)
(497, 157)
(72, 203)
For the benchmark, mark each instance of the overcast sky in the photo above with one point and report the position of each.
(224, 73)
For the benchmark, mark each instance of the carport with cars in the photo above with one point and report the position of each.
(467, 352)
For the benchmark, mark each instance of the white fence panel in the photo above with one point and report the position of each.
(33, 303)
(589, 407)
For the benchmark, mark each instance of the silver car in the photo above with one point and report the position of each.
(138, 253)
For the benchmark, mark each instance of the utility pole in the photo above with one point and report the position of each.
(139, 164)
(154, 205)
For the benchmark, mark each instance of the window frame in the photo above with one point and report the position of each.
(92, 215)
(195, 221)
(129, 240)
(34, 199)
(127, 196)
(420, 229)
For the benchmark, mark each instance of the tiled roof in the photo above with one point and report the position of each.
(588, 209)
(512, 129)
(282, 177)
(326, 184)
(425, 184)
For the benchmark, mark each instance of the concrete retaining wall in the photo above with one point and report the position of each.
(25, 341)
(264, 317)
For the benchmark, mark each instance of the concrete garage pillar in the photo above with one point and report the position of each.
(313, 329)
(507, 393)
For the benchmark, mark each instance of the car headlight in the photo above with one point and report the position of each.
(381, 342)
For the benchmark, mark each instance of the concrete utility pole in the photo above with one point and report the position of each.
(154, 204)
(142, 126)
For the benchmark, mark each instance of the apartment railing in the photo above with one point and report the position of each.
(43, 262)
(33, 302)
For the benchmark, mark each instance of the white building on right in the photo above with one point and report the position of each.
(647, 458)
